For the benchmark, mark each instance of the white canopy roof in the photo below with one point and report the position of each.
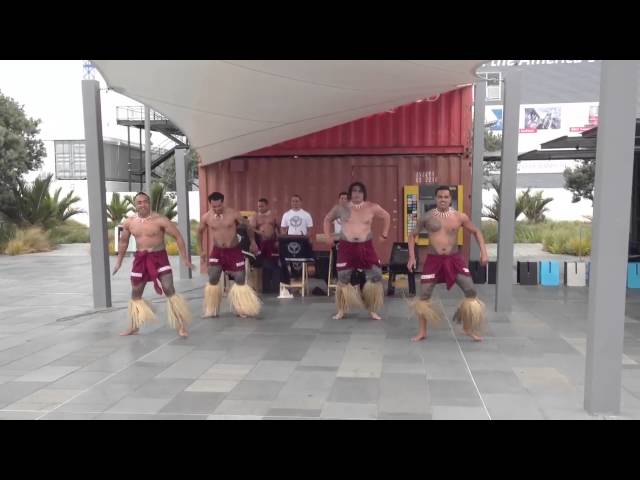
(230, 107)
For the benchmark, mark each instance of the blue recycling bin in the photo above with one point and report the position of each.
(633, 275)
(550, 273)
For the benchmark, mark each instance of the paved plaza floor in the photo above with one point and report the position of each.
(61, 359)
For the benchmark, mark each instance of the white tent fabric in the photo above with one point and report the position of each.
(227, 108)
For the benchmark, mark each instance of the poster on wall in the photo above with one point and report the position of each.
(539, 123)
(593, 115)
(590, 119)
(541, 118)
(493, 118)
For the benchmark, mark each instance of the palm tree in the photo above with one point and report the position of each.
(492, 143)
(162, 202)
(117, 209)
(32, 204)
(535, 207)
(25, 200)
(63, 208)
(493, 211)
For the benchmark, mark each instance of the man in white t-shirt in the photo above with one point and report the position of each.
(296, 221)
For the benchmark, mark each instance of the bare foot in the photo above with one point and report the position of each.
(375, 316)
(475, 337)
(211, 315)
(420, 336)
(130, 331)
(338, 315)
(183, 332)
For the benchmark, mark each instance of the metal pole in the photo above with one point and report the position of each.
(101, 282)
(610, 237)
(129, 150)
(479, 94)
(183, 206)
(140, 160)
(147, 147)
(508, 176)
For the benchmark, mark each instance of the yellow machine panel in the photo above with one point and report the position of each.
(418, 200)
(247, 213)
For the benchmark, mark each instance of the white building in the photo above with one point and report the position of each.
(62, 131)
(559, 97)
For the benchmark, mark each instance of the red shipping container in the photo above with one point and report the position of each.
(385, 151)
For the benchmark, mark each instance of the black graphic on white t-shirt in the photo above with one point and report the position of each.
(295, 221)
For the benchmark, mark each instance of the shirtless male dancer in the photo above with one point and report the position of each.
(445, 264)
(355, 250)
(151, 264)
(226, 256)
(266, 228)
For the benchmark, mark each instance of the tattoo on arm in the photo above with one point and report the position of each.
(124, 238)
(251, 232)
(420, 225)
(333, 214)
(123, 243)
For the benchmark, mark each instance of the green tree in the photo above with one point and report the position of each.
(493, 210)
(31, 204)
(492, 145)
(579, 180)
(168, 176)
(492, 142)
(20, 150)
(117, 209)
(162, 202)
(535, 206)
